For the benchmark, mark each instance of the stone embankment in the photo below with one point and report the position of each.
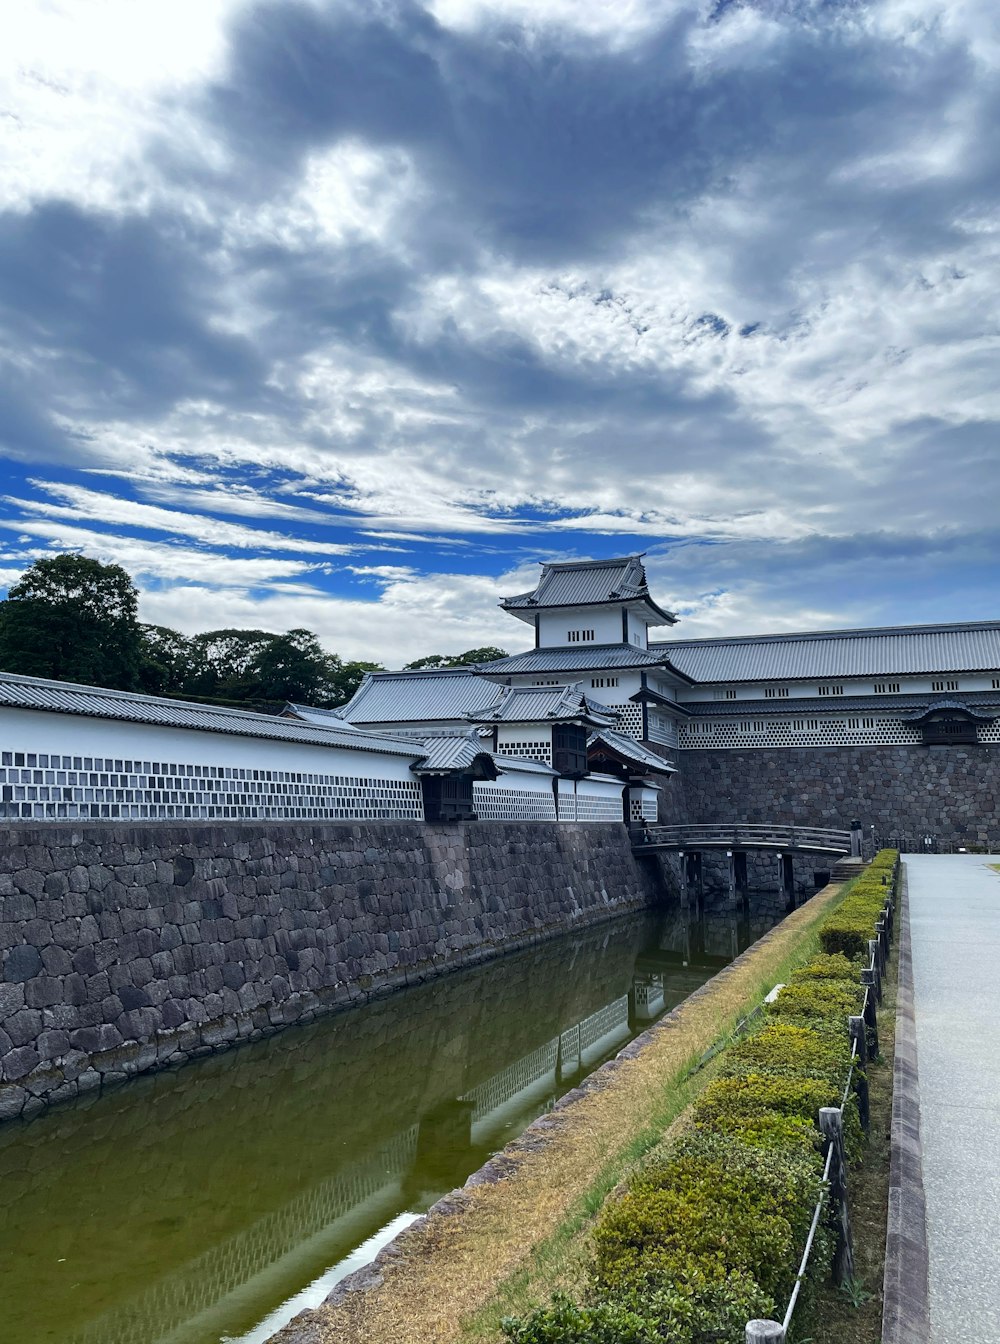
(124, 949)
(951, 793)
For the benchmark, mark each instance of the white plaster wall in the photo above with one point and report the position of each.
(40, 731)
(554, 626)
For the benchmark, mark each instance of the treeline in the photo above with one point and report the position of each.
(74, 619)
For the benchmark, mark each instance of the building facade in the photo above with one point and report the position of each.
(896, 725)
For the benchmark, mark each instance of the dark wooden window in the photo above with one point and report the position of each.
(448, 798)
(948, 731)
(569, 749)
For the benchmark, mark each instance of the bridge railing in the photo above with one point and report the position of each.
(748, 836)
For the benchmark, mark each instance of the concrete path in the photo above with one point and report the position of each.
(955, 933)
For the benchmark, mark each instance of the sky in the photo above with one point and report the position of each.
(345, 315)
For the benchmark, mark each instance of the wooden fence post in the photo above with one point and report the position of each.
(831, 1124)
(882, 929)
(859, 1043)
(870, 1013)
(876, 966)
(765, 1332)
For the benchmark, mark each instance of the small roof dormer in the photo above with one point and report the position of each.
(590, 583)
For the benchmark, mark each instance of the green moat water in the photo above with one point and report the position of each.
(213, 1202)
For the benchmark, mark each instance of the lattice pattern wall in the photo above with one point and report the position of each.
(495, 803)
(662, 729)
(629, 718)
(587, 807)
(824, 731)
(642, 805)
(527, 750)
(46, 787)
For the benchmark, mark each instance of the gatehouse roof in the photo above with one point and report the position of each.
(586, 583)
(555, 704)
(878, 652)
(436, 695)
(585, 658)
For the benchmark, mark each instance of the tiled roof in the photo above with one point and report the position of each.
(588, 582)
(883, 652)
(451, 753)
(633, 751)
(441, 694)
(323, 718)
(588, 658)
(936, 705)
(840, 704)
(64, 697)
(552, 704)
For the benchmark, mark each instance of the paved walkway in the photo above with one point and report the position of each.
(955, 932)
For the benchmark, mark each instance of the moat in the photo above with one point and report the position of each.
(213, 1202)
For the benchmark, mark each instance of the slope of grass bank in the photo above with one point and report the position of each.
(503, 1244)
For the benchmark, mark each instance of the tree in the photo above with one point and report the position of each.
(168, 661)
(347, 677)
(486, 654)
(294, 667)
(228, 663)
(73, 619)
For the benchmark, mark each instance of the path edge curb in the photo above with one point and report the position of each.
(906, 1297)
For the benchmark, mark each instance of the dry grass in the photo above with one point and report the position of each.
(454, 1276)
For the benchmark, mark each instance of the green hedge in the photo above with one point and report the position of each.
(708, 1234)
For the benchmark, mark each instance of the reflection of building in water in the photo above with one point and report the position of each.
(537, 1076)
(188, 1301)
(646, 1000)
(219, 1192)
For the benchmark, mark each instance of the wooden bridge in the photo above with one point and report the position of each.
(738, 836)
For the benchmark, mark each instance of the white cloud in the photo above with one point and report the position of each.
(80, 504)
(85, 83)
(412, 616)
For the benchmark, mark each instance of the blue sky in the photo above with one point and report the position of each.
(345, 315)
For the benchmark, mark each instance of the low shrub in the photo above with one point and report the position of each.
(696, 1312)
(740, 1106)
(827, 967)
(818, 1003)
(786, 1050)
(709, 1236)
(714, 1207)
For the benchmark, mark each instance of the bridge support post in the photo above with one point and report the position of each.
(694, 877)
(739, 882)
(786, 877)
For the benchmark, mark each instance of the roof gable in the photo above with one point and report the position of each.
(554, 704)
(437, 695)
(582, 583)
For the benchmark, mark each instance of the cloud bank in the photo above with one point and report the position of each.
(288, 286)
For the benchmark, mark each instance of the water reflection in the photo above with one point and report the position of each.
(187, 1207)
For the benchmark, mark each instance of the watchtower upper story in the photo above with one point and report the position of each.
(590, 602)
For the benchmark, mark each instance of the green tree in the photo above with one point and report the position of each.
(168, 662)
(73, 619)
(346, 678)
(228, 663)
(294, 667)
(486, 654)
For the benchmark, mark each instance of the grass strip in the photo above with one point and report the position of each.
(703, 1237)
(505, 1243)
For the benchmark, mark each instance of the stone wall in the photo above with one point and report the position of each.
(951, 793)
(128, 948)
